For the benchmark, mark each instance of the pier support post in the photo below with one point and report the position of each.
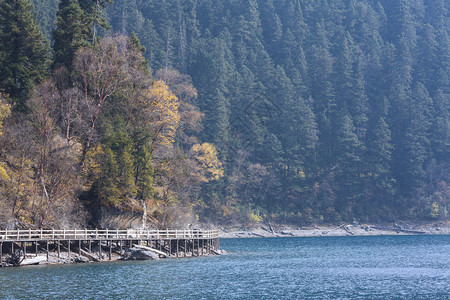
(90, 246)
(177, 246)
(24, 249)
(68, 246)
(100, 250)
(79, 247)
(110, 249)
(47, 249)
(120, 247)
(59, 249)
(185, 250)
(1, 252)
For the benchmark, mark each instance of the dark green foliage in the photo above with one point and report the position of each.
(24, 52)
(71, 33)
(46, 15)
(342, 106)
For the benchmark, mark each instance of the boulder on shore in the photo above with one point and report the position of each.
(139, 254)
(81, 259)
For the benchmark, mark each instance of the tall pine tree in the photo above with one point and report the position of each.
(24, 52)
(71, 33)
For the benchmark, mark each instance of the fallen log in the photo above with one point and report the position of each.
(33, 261)
(151, 249)
(348, 230)
(89, 255)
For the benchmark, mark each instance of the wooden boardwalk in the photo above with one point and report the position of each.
(166, 243)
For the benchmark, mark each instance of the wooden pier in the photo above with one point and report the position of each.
(95, 244)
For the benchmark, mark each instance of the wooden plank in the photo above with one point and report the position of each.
(151, 249)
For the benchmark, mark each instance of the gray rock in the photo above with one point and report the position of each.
(81, 259)
(139, 254)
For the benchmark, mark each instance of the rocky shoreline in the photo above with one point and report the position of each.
(65, 258)
(346, 229)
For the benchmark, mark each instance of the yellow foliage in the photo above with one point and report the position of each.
(3, 174)
(94, 160)
(434, 210)
(206, 155)
(5, 111)
(160, 106)
(255, 217)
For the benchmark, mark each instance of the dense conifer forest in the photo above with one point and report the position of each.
(224, 111)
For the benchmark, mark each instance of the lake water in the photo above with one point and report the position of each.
(387, 267)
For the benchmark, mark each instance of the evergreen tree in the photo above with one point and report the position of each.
(24, 57)
(46, 15)
(93, 10)
(71, 33)
(349, 165)
(379, 183)
(417, 141)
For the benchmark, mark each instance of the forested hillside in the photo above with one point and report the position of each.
(320, 110)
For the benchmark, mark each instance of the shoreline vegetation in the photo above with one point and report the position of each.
(345, 229)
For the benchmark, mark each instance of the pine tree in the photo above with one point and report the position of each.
(71, 33)
(46, 15)
(379, 183)
(93, 10)
(25, 55)
(348, 152)
(440, 130)
(417, 141)
(108, 190)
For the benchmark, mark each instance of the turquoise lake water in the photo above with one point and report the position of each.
(387, 267)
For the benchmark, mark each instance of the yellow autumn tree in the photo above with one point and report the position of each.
(206, 155)
(5, 111)
(160, 107)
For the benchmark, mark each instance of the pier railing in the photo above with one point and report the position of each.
(107, 234)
